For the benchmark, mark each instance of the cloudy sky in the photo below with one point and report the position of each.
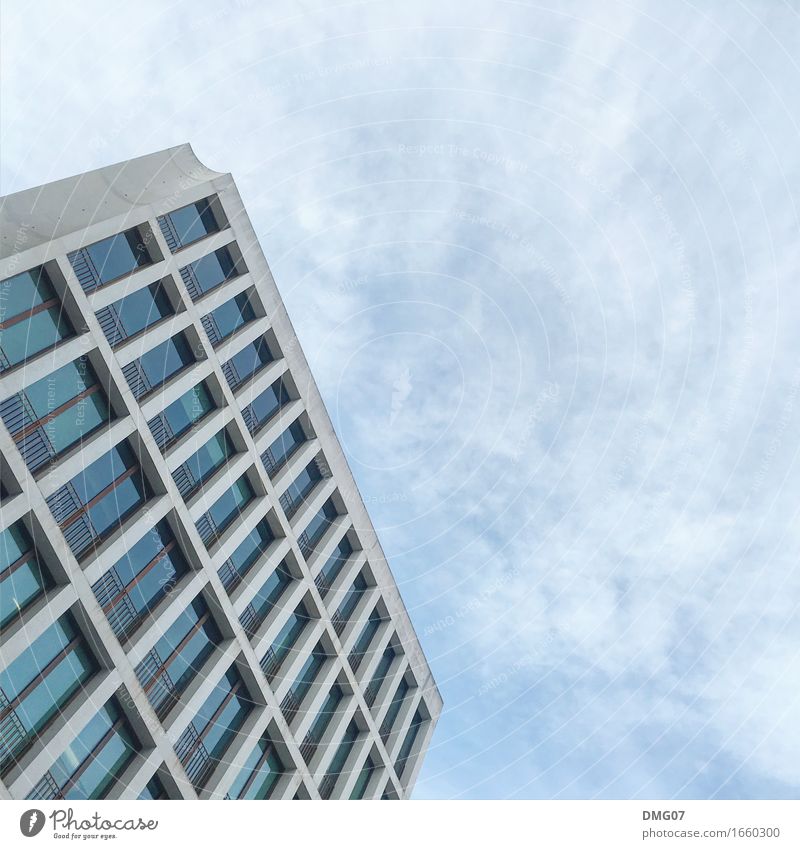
(543, 259)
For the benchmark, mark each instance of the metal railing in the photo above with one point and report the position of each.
(270, 664)
(169, 232)
(194, 756)
(308, 747)
(290, 705)
(12, 732)
(46, 788)
(84, 268)
(123, 615)
(327, 785)
(111, 325)
(161, 430)
(138, 381)
(157, 683)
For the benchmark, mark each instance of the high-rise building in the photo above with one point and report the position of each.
(193, 600)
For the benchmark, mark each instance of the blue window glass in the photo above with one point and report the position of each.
(183, 226)
(207, 737)
(300, 488)
(365, 637)
(333, 565)
(308, 674)
(246, 554)
(342, 754)
(266, 598)
(39, 682)
(180, 415)
(22, 577)
(178, 655)
(135, 312)
(326, 713)
(154, 789)
(352, 598)
(283, 447)
(395, 705)
(382, 670)
(247, 362)
(97, 757)
(228, 318)
(99, 498)
(147, 572)
(259, 411)
(362, 782)
(227, 507)
(32, 317)
(158, 365)
(408, 743)
(317, 527)
(109, 259)
(260, 773)
(203, 463)
(209, 271)
(288, 634)
(56, 412)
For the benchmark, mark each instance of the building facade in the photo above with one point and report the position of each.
(193, 601)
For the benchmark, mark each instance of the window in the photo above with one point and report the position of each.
(247, 362)
(309, 672)
(133, 587)
(283, 447)
(95, 501)
(109, 259)
(339, 760)
(154, 790)
(158, 365)
(210, 271)
(94, 761)
(56, 412)
(210, 733)
(33, 319)
(284, 642)
(394, 708)
(258, 412)
(300, 488)
(362, 782)
(228, 318)
(351, 599)
(203, 463)
(227, 507)
(384, 664)
(265, 599)
(322, 720)
(364, 639)
(180, 415)
(134, 313)
(333, 565)
(317, 527)
(22, 576)
(260, 773)
(245, 555)
(408, 743)
(176, 658)
(188, 224)
(39, 682)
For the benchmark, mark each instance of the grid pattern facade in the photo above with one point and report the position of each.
(194, 603)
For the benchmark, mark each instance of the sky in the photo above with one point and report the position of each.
(543, 261)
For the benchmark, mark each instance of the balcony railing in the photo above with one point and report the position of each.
(12, 731)
(111, 325)
(161, 430)
(322, 584)
(194, 756)
(46, 788)
(354, 659)
(212, 329)
(339, 623)
(109, 590)
(290, 705)
(270, 664)
(169, 232)
(370, 694)
(308, 747)
(157, 683)
(138, 381)
(327, 785)
(84, 268)
(229, 576)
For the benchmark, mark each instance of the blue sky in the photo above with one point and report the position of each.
(543, 260)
